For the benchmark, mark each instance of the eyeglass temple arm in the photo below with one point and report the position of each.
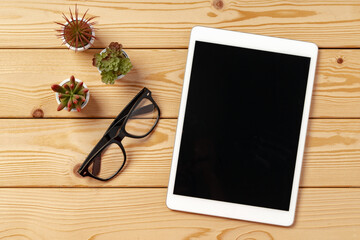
(142, 110)
(127, 109)
(96, 165)
(97, 147)
(146, 109)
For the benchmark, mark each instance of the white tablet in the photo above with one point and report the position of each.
(242, 126)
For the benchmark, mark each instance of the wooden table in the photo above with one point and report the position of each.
(42, 197)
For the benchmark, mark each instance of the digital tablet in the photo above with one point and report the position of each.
(242, 126)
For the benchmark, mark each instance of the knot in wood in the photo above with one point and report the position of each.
(38, 113)
(75, 170)
(218, 4)
(340, 60)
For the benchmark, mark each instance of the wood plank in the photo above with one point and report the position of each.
(47, 153)
(26, 76)
(323, 214)
(332, 153)
(149, 24)
(336, 90)
(32, 72)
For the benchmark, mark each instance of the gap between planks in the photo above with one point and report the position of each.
(155, 187)
(159, 48)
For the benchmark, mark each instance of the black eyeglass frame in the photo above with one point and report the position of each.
(117, 132)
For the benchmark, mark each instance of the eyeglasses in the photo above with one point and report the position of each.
(136, 120)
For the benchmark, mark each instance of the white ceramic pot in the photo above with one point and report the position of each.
(120, 76)
(86, 99)
(82, 48)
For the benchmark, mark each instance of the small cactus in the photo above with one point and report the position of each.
(77, 31)
(71, 95)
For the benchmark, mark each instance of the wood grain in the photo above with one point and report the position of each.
(26, 76)
(43, 197)
(47, 153)
(337, 85)
(322, 214)
(331, 153)
(32, 72)
(167, 24)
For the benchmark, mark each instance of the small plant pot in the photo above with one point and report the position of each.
(82, 48)
(86, 99)
(120, 76)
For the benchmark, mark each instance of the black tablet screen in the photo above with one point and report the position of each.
(242, 124)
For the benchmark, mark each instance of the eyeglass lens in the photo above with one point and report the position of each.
(108, 162)
(142, 119)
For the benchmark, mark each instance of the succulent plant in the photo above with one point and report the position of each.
(72, 94)
(112, 63)
(77, 32)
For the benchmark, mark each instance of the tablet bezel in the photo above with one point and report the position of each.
(233, 210)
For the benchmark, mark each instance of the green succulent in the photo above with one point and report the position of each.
(112, 63)
(108, 77)
(71, 94)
